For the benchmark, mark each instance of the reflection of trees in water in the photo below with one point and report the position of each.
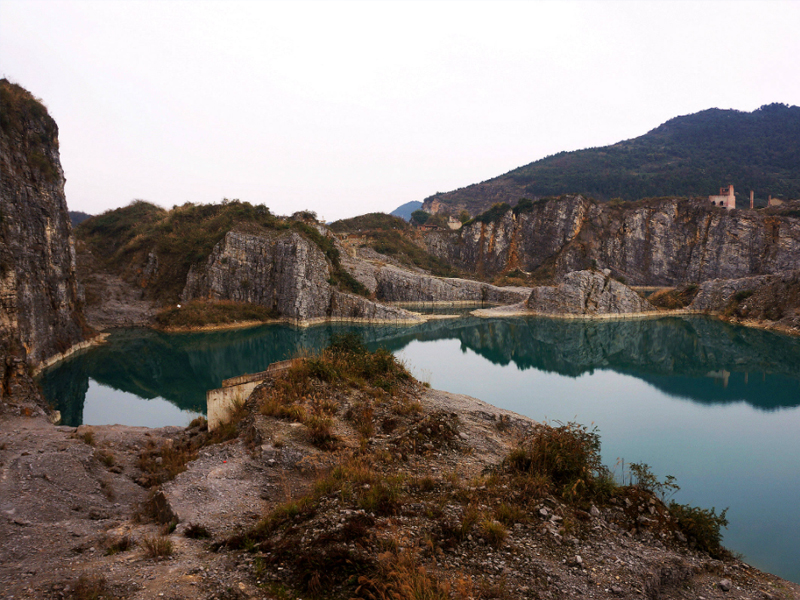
(673, 354)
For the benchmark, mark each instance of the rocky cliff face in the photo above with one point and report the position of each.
(771, 300)
(281, 270)
(586, 293)
(39, 300)
(656, 242)
(390, 283)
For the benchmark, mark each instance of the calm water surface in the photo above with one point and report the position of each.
(714, 405)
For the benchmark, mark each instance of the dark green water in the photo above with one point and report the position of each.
(715, 405)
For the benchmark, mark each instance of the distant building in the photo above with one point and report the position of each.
(725, 198)
(453, 223)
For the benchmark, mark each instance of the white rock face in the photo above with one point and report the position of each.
(587, 293)
(284, 271)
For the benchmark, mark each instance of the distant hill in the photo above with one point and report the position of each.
(404, 211)
(77, 217)
(370, 222)
(693, 155)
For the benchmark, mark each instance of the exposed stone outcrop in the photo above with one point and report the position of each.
(390, 283)
(281, 270)
(587, 293)
(39, 299)
(650, 242)
(772, 301)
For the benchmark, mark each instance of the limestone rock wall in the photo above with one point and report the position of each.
(398, 285)
(656, 242)
(39, 299)
(772, 300)
(281, 270)
(587, 293)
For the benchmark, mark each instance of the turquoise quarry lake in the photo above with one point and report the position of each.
(715, 405)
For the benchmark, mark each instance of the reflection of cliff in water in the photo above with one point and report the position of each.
(701, 359)
(177, 367)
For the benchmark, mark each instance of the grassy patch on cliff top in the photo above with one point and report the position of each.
(124, 238)
(200, 314)
(389, 235)
(399, 247)
(22, 115)
(370, 222)
(180, 237)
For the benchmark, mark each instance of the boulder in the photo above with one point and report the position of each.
(587, 293)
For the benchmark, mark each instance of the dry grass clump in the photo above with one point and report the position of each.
(120, 544)
(400, 576)
(163, 463)
(91, 587)
(564, 460)
(306, 392)
(674, 298)
(107, 458)
(87, 437)
(493, 532)
(157, 547)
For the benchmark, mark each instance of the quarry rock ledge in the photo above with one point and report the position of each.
(520, 310)
(74, 349)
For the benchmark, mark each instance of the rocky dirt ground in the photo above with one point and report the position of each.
(78, 508)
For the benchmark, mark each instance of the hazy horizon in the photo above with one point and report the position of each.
(346, 108)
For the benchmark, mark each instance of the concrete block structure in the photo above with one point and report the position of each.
(223, 402)
(725, 198)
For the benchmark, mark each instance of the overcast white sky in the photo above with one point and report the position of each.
(347, 108)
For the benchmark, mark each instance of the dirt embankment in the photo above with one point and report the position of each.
(370, 495)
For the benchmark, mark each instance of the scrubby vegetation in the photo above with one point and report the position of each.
(493, 215)
(687, 156)
(157, 547)
(25, 118)
(674, 298)
(124, 239)
(399, 247)
(199, 313)
(393, 237)
(161, 463)
(306, 392)
(370, 222)
(338, 540)
(92, 587)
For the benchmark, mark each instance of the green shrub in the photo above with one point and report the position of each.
(645, 480)
(420, 217)
(493, 215)
(701, 525)
(370, 222)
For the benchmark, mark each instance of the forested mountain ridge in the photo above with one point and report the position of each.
(692, 155)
